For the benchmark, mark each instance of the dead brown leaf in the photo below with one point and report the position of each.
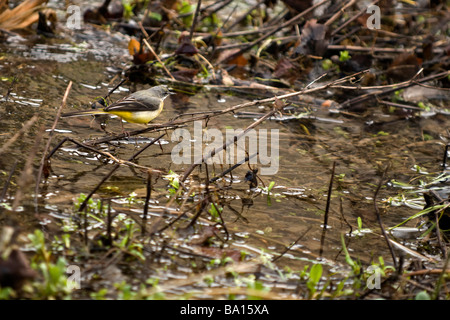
(240, 60)
(21, 16)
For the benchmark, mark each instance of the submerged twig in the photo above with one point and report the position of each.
(47, 146)
(377, 212)
(25, 178)
(116, 166)
(208, 195)
(444, 161)
(22, 130)
(292, 244)
(330, 188)
(8, 181)
(399, 105)
(226, 144)
(147, 201)
(327, 209)
(232, 168)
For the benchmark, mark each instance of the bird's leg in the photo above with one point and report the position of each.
(123, 130)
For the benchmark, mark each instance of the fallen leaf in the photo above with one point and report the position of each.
(313, 39)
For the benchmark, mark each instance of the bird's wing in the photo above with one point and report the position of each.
(134, 103)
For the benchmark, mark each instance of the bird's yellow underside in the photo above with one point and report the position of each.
(137, 116)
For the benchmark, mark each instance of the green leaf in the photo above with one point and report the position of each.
(215, 210)
(344, 56)
(155, 15)
(327, 64)
(316, 273)
(423, 295)
(348, 259)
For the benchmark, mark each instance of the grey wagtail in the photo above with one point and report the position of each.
(139, 107)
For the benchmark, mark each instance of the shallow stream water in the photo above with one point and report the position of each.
(361, 144)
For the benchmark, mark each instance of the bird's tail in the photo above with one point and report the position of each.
(83, 113)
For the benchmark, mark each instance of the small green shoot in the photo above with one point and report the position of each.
(315, 274)
(344, 56)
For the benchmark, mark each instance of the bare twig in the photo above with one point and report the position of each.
(439, 236)
(353, 18)
(441, 279)
(378, 49)
(400, 105)
(399, 86)
(194, 21)
(327, 209)
(208, 196)
(288, 23)
(153, 51)
(340, 12)
(209, 114)
(243, 16)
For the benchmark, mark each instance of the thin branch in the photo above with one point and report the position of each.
(153, 51)
(174, 123)
(353, 18)
(194, 21)
(288, 23)
(399, 86)
(339, 13)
